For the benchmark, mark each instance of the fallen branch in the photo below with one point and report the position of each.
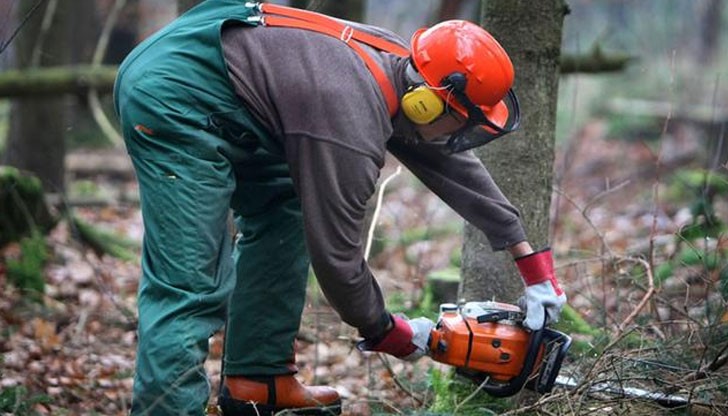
(595, 61)
(646, 298)
(57, 80)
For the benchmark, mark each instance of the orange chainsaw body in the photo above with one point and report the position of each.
(497, 349)
(487, 343)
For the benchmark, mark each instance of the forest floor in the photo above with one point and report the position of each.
(74, 353)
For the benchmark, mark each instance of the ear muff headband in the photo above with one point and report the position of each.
(422, 105)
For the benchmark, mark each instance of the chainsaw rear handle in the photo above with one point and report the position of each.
(550, 365)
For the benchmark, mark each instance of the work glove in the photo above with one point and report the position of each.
(543, 298)
(406, 340)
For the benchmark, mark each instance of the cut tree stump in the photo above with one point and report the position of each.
(23, 208)
(444, 284)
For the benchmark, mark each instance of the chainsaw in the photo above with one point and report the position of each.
(488, 344)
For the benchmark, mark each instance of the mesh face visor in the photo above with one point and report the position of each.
(479, 129)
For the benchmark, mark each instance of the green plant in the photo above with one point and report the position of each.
(4, 117)
(26, 272)
(105, 242)
(18, 401)
(454, 395)
(700, 187)
(22, 205)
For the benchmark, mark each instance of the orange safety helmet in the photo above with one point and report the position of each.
(468, 69)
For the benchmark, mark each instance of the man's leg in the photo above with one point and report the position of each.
(271, 264)
(187, 274)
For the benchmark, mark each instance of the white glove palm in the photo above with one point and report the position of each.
(421, 328)
(544, 298)
(542, 305)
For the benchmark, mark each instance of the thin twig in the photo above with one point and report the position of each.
(586, 217)
(48, 16)
(377, 208)
(399, 384)
(719, 361)
(470, 396)
(22, 24)
(646, 298)
(93, 96)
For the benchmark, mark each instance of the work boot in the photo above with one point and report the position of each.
(268, 395)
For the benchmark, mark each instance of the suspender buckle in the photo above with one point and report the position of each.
(253, 5)
(347, 34)
(256, 19)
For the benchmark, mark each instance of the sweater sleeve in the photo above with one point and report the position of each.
(334, 184)
(463, 183)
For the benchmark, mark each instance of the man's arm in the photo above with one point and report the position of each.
(334, 184)
(463, 183)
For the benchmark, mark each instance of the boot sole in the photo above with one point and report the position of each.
(232, 407)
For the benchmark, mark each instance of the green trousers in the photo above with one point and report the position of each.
(192, 169)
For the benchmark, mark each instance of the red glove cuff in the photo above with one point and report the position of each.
(396, 342)
(538, 267)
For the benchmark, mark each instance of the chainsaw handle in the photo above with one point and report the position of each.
(517, 383)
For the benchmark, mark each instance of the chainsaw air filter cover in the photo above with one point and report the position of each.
(487, 342)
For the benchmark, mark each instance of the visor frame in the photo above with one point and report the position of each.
(459, 141)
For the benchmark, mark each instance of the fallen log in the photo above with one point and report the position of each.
(59, 80)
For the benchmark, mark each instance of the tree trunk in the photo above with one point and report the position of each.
(521, 163)
(710, 31)
(36, 139)
(352, 10)
(184, 5)
(155, 14)
(449, 10)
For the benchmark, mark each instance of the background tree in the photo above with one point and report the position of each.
(522, 163)
(184, 5)
(710, 30)
(36, 139)
(346, 9)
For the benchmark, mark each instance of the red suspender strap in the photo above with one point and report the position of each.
(282, 16)
(322, 20)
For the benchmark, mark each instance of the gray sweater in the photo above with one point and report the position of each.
(316, 96)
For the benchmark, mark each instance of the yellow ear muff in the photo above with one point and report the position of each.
(422, 105)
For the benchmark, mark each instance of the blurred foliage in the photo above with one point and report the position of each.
(699, 188)
(23, 209)
(106, 242)
(4, 123)
(457, 395)
(26, 271)
(84, 133)
(17, 401)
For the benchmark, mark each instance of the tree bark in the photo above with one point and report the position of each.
(521, 163)
(36, 140)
